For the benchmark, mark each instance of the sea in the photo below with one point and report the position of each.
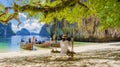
(12, 43)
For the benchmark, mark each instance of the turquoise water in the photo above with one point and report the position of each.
(9, 44)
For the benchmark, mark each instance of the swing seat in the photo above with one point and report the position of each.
(55, 51)
(70, 53)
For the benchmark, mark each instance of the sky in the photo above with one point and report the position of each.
(33, 25)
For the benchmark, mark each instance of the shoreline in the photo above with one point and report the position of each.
(96, 55)
(77, 49)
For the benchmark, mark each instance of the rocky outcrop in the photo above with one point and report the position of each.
(44, 32)
(23, 31)
(33, 33)
(88, 30)
(6, 30)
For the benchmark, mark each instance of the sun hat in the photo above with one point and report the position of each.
(64, 36)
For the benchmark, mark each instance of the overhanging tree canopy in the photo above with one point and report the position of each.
(106, 11)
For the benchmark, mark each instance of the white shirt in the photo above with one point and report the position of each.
(64, 46)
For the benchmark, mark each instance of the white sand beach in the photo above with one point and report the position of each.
(93, 55)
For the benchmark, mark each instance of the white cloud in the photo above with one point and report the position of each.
(32, 25)
(22, 15)
(15, 28)
(27, 21)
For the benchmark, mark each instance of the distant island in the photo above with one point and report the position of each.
(6, 30)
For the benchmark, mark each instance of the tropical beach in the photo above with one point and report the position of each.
(59, 33)
(92, 55)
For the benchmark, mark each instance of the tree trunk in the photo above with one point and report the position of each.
(72, 39)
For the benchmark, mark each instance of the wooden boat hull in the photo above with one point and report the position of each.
(42, 45)
(47, 45)
(28, 46)
(56, 45)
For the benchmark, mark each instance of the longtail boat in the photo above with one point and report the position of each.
(28, 46)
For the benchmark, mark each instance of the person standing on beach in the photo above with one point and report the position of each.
(33, 40)
(29, 40)
(64, 45)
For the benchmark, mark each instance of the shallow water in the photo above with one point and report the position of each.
(9, 44)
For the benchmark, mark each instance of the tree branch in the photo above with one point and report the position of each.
(45, 9)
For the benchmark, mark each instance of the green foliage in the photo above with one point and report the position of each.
(1, 7)
(107, 11)
(4, 17)
(52, 4)
(71, 14)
